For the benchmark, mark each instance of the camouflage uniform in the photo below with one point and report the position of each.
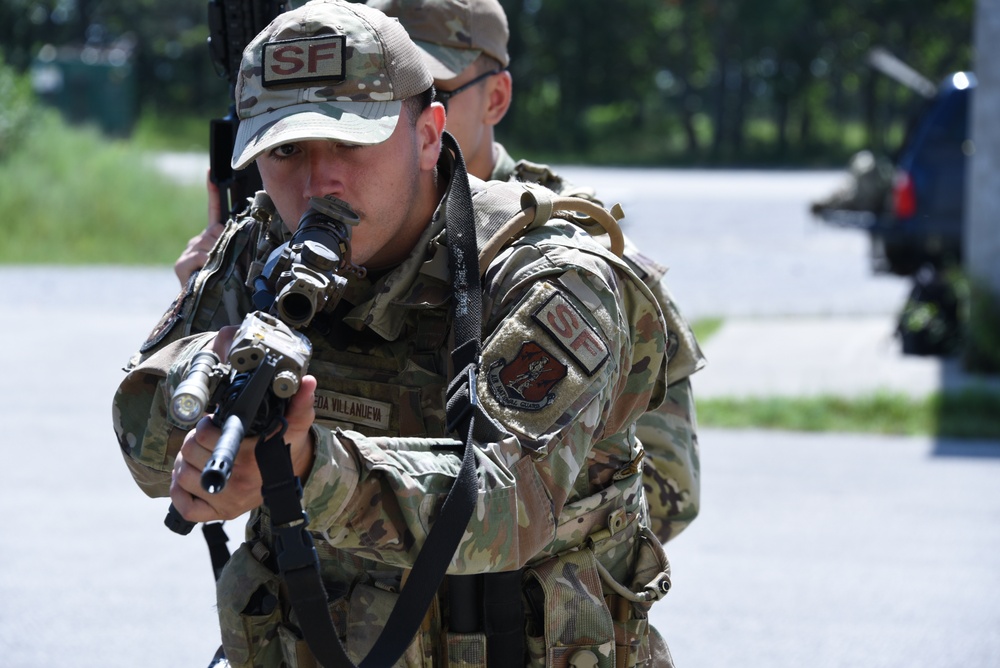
(671, 468)
(574, 347)
(452, 35)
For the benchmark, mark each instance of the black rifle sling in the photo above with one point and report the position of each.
(298, 561)
(216, 539)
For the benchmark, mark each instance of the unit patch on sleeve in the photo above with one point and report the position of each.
(566, 325)
(526, 381)
(532, 379)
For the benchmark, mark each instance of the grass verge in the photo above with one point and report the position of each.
(171, 133)
(973, 413)
(72, 196)
(704, 328)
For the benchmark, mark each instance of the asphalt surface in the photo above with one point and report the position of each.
(811, 550)
(838, 551)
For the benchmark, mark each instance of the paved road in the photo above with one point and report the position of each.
(812, 550)
(90, 577)
(744, 244)
(838, 551)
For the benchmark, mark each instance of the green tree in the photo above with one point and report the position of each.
(689, 81)
(166, 40)
(17, 108)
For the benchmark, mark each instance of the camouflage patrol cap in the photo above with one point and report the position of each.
(326, 70)
(452, 33)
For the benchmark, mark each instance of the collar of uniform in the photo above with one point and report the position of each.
(385, 312)
(503, 164)
(416, 283)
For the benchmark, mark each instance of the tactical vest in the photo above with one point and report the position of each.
(379, 387)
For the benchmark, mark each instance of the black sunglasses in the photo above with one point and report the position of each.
(443, 96)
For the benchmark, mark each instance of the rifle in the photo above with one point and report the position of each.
(232, 25)
(247, 395)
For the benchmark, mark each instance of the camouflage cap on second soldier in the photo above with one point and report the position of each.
(452, 33)
(326, 70)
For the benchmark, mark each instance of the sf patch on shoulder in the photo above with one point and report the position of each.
(566, 325)
(539, 364)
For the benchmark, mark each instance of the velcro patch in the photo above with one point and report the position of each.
(563, 322)
(170, 318)
(310, 59)
(352, 410)
(527, 381)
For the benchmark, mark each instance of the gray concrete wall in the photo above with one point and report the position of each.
(982, 228)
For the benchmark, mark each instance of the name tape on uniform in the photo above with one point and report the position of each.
(353, 410)
(295, 61)
(563, 321)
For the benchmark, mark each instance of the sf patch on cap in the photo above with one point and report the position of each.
(308, 60)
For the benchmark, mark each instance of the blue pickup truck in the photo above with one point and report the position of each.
(912, 206)
(921, 221)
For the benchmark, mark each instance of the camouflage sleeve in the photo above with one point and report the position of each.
(215, 296)
(671, 468)
(570, 361)
(148, 440)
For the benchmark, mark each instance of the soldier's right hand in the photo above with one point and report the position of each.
(242, 492)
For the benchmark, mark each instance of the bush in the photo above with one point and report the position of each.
(17, 105)
(73, 196)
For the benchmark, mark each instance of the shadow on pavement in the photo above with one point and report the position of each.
(966, 448)
(969, 403)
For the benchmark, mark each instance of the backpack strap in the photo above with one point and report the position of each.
(544, 175)
(538, 205)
